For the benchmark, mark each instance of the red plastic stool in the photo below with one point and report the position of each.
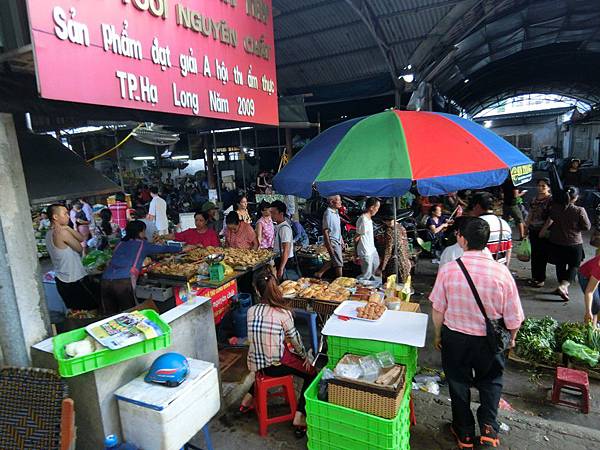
(413, 417)
(261, 395)
(576, 380)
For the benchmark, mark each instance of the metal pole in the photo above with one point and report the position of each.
(12, 339)
(217, 166)
(119, 163)
(243, 157)
(395, 243)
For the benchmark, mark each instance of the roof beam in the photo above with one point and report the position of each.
(366, 15)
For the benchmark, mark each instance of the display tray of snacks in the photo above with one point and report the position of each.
(370, 311)
(241, 259)
(344, 282)
(176, 271)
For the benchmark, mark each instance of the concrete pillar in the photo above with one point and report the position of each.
(21, 248)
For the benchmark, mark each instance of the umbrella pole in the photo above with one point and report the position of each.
(395, 243)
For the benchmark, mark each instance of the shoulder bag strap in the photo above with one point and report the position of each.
(137, 257)
(497, 255)
(473, 288)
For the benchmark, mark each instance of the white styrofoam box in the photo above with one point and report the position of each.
(156, 417)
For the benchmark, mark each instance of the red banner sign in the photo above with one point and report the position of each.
(220, 298)
(210, 58)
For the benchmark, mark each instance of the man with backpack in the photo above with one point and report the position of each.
(283, 243)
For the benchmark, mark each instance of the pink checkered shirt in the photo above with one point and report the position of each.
(453, 297)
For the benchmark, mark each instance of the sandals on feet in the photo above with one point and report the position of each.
(535, 284)
(562, 294)
(299, 431)
(463, 442)
(246, 409)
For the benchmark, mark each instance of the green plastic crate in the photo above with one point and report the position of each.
(332, 427)
(71, 367)
(337, 347)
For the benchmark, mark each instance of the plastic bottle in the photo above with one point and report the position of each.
(111, 442)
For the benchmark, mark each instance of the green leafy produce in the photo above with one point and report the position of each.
(536, 339)
(581, 352)
(593, 337)
(96, 259)
(574, 331)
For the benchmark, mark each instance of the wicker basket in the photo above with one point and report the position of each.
(378, 400)
(324, 307)
(299, 303)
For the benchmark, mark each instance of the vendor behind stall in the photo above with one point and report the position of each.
(120, 277)
(214, 222)
(64, 247)
(201, 235)
(239, 234)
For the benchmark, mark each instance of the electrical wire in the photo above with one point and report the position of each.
(116, 146)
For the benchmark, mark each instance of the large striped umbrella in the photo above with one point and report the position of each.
(381, 155)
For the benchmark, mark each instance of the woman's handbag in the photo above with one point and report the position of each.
(595, 239)
(498, 336)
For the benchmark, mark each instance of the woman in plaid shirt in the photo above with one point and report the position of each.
(271, 332)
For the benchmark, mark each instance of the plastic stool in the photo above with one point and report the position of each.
(261, 395)
(413, 417)
(576, 380)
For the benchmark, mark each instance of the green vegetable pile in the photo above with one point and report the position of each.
(593, 337)
(536, 340)
(581, 352)
(571, 331)
(539, 339)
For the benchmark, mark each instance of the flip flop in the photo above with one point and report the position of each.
(535, 284)
(562, 294)
(246, 409)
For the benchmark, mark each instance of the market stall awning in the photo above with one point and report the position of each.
(383, 154)
(53, 172)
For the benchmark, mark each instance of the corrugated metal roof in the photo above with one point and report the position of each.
(324, 42)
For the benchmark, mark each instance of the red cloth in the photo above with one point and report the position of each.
(145, 195)
(453, 297)
(191, 236)
(591, 268)
(119, 214)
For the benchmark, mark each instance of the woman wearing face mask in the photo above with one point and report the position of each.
(566, 222)
(120, 277)
(539, 210)
(270, 325)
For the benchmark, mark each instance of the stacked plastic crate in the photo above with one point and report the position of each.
(333, 427)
